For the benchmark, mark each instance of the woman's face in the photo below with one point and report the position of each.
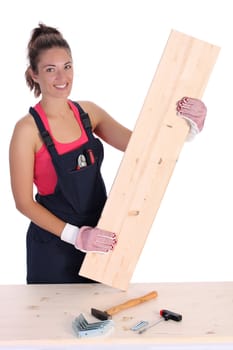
(54, 73)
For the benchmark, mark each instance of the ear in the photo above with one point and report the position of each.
(33, 75)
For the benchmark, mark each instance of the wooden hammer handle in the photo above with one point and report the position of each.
(113, 310)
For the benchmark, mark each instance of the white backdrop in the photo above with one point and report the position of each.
(116, 46)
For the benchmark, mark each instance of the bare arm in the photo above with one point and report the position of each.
(23, 144)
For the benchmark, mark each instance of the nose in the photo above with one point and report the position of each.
(60, 75)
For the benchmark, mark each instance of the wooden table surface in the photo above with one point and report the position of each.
(38, 315)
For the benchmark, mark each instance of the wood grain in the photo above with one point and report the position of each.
(150, 158)
(40, 316)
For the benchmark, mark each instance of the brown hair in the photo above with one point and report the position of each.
(42, 38)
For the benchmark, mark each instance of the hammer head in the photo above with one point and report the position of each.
(101, 315)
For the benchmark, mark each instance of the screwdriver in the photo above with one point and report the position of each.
(165, 316)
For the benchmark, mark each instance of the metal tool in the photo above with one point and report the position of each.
(139, 325)
(165, 316)
(107, 314)
(81, 162)
(84, 329)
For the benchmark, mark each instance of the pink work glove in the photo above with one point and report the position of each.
(95, 240)
(89, 239)
(194, 111)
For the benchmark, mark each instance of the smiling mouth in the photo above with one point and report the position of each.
(61, 86)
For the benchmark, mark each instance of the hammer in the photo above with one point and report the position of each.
(107, 314)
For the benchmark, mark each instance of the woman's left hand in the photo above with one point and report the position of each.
(194, 111)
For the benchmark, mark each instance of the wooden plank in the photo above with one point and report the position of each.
(150, 158)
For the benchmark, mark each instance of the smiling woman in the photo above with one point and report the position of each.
(59, 232)
(45, 150)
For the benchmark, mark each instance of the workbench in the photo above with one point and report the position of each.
(41, 316)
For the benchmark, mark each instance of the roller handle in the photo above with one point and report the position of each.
(130, 303)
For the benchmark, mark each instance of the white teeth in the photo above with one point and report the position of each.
(61, 86)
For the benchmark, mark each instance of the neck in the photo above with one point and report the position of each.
(56, 107)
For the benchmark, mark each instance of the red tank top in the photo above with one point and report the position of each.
(45, 177)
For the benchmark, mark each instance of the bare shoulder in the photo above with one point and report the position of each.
(89, 106)
(95, 112)
(25, 123)
(25, 129)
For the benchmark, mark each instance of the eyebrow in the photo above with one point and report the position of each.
(53, 65)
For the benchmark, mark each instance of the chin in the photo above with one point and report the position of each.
(62, 94)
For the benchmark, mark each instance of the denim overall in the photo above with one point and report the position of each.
(78, 199)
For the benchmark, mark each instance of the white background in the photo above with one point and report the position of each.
(116, 49)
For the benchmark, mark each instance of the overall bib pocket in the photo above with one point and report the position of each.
(84, 188)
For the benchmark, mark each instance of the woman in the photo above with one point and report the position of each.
(54, 148)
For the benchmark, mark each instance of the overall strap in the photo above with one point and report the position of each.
(43, 132)
(85, 119)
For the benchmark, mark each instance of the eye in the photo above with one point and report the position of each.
(50, 69)
(68, 66)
